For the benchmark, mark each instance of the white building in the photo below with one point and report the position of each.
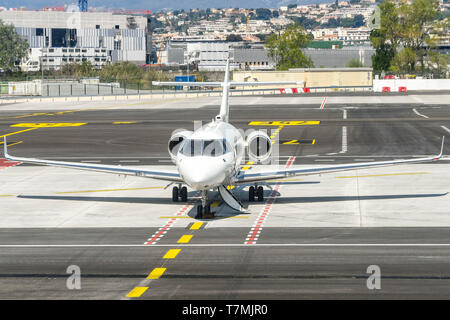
(57, 37)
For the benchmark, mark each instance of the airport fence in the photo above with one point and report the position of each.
(76, 89)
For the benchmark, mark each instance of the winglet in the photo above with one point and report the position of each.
(442, 147)
(442, 150)
(5, 148)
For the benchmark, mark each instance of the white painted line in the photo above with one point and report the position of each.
(328, 160)
(228, 245)
(419, 114)
(129, 161)
(344, 140)
(364, 159)
(344, 115)
(91, 161)
(445, 128)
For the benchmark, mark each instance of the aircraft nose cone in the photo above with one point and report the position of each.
(202, 173)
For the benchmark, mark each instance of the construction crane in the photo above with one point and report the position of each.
(83, 5)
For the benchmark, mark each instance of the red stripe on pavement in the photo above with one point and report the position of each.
(255, 230)
(323, 103)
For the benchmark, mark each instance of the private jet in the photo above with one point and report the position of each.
(211, 157)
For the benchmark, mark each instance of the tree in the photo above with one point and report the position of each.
(263, 14)
(234, 37)
(121, 71)
(78, 70)
(285, 49)
(354, 63)
(12, 47)
(384, 51)
(403, 27)
(404, 61)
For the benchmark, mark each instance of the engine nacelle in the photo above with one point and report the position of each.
(259, 146)
(176, 140)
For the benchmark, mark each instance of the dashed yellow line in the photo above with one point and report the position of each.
(12, 144)
(185, 238)
(124, 122)
(108, 190)
(6, 195)
(137, 292)
(383, 175)
(248, 166)
(292, 142)
(172, 254)
(283, 123)
(48, 125)
(12, 133)
(196, 225)
(156, 273)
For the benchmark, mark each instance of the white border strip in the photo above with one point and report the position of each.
(229, 245)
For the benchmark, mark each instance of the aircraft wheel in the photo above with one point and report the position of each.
(260, 194)
(175, 194)
(183, 194)
(251, 194)
(199, 212)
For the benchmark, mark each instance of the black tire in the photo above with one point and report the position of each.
(260, 194)
(207, 209)
(184, 194)
(175, 194)
(251, 194)
(199, 212)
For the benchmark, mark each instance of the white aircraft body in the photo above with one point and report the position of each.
(210, 158)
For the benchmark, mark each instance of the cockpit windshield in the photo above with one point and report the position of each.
(208, 148)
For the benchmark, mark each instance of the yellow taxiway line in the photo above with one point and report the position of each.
(12, 133)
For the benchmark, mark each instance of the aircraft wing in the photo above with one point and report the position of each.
(173, 176)
(231, 83)
(248, 177)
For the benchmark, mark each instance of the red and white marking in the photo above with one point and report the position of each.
(323, 103)
(257, 226)
(294, 90)
(169, 224)
(6, 163)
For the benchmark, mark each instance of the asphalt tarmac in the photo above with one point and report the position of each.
(319, 240)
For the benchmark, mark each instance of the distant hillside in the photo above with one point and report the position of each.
(157, 5)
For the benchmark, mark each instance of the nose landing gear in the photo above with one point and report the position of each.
(255, 191)
(179, 193)
(203, 210)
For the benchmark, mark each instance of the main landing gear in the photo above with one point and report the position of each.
(179, 193)
(255, 191)
(203, 210)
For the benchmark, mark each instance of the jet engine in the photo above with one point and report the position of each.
(259, 146)
(175, 142)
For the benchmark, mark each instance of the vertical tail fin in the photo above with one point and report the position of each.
(226, 86)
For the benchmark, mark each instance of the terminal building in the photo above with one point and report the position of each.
(59, 37)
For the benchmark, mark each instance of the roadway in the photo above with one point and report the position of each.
(320, 236)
